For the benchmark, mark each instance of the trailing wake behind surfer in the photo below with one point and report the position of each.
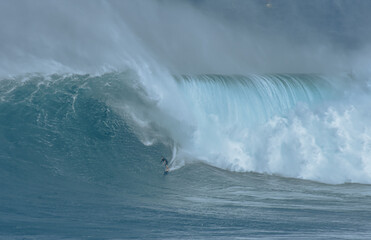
(165, 161)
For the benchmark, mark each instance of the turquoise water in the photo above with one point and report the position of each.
(80, 158)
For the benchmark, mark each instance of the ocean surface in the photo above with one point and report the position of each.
(285, 156)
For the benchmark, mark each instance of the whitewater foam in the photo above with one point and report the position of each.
(301, 126)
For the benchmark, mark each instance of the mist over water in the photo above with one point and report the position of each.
(185, 36)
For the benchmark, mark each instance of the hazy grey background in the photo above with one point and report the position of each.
(204, 36)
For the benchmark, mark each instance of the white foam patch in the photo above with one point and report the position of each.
(333, 147)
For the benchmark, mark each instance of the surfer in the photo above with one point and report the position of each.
(164, 160)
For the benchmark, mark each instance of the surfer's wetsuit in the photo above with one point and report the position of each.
(164, 160)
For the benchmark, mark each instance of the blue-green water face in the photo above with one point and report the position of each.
(285, 156)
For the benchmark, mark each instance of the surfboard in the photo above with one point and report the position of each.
(166, 170)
